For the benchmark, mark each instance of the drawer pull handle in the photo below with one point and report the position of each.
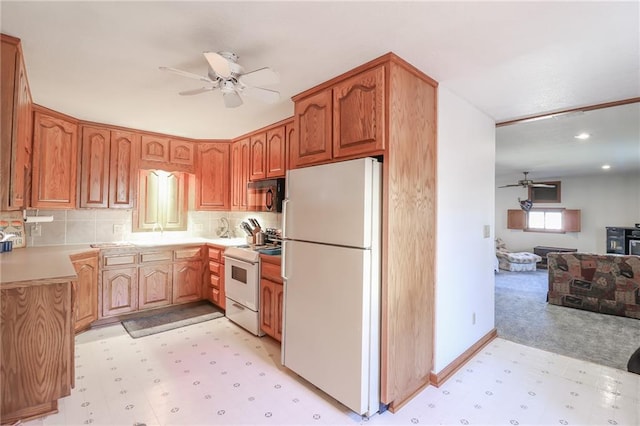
(238, 306)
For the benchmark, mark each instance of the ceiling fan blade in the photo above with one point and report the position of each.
(196, 91)
(508, 186)
(260, 77)
(265, 95)
(218, 63)
(232, 99)
(542, 185)
(187, 74)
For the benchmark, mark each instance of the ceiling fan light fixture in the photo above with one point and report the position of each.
(606, 167)
(583, 136)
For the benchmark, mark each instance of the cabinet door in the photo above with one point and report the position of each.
(258, 157)
(267, 307)
(123, 169)
(8, 113)
(290, 134)
(239, 174)
(187, 281)
(313, 130)
(276, 152)
(181, 155)
(94, 183)
(162, 201)
(119, 291)
(154, 151)
(278, 309)
(55, 150)
(21, 147)
(86, 309)
(154, 286)
(212, 178)
(174, 202)
(358, 114)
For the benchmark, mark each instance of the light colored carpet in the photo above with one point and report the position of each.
(523, 316)
(188, 315)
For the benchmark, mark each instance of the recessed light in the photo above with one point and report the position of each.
(582, 136)
(606, 167)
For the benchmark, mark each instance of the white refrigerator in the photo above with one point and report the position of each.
(331, 271)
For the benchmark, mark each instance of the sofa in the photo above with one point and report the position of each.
(609, 284)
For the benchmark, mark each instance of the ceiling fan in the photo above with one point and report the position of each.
(525, 183)
(227, 75)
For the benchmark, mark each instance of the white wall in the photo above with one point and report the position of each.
(604, 199)
(465, 259)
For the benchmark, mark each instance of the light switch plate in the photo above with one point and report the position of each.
(487, 231)
(118, 229)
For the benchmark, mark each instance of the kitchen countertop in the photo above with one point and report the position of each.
(39, 264)
(52, 263)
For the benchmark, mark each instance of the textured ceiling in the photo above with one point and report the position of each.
(99, 60)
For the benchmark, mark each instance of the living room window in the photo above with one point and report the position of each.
(544, 220)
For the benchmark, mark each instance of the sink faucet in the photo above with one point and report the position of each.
(156, 226)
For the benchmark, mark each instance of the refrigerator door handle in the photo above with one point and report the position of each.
(285, 203)
(283, 261)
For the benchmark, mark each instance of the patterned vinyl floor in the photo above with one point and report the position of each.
(215, 373)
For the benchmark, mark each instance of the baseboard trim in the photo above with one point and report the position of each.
(437, 379)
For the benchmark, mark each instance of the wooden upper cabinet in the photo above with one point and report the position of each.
(15, 127)
(290, 135)
(182, 155)
(108, 168)
(358, 114)
(313, 124)
(212, 177)
(55, 152)
(123, 169)
(276, 152)
(239, 173)
(154, 151)
(171, 154)
(258, 163)
(94, 181)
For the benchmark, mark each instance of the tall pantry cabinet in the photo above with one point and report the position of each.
(387, 108)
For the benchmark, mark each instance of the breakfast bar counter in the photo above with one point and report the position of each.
(38, 265)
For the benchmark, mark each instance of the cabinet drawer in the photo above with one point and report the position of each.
(215, 296)
(215, 254)
(188, 253)
(121, 259)
(155, 256)
(214, 281)
(271, 272)
(214, 267)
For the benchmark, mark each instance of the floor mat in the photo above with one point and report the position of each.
(140, 327)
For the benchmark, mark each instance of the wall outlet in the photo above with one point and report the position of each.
(486, 231)
(118, 229)
(36, 230)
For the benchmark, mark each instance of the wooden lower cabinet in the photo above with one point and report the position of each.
(119, 291)
(214, 277)
(155, 286)
(187, 281)
(271, 297)
(86, 289)
(37, 352)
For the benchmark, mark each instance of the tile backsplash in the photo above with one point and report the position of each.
(87, 226)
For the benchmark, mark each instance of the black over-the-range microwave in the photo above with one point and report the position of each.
(265, 195)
